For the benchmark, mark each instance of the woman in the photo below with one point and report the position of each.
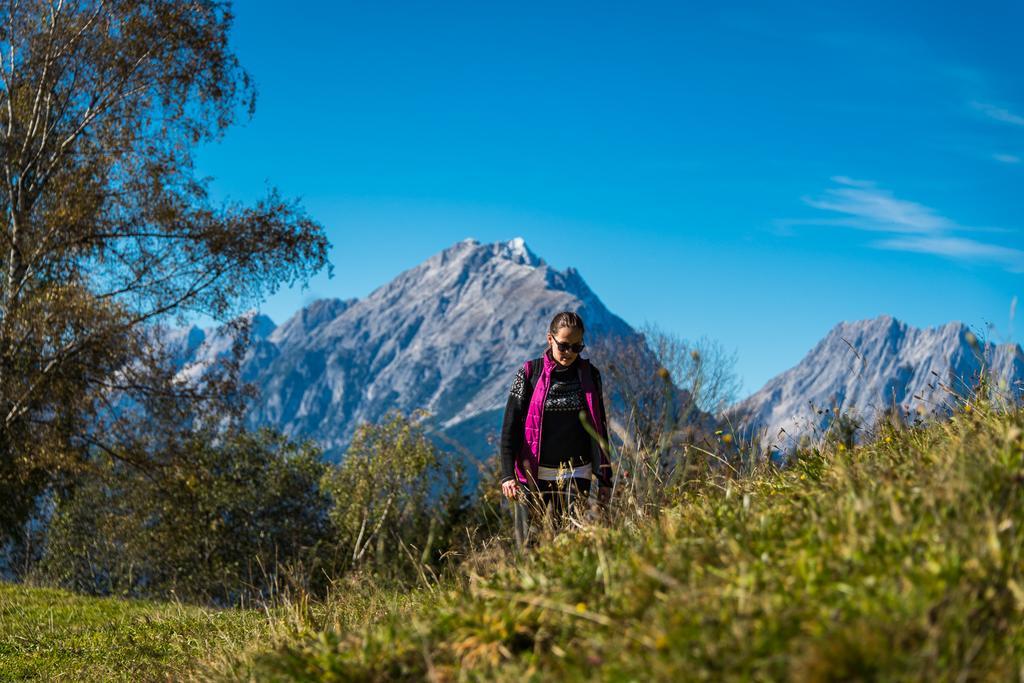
(544, 446)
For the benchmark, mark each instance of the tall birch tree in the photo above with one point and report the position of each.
(105, 229)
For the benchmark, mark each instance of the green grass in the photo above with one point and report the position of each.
(52, 635)
(899, 560)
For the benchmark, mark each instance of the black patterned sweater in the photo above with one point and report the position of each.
(564, 441)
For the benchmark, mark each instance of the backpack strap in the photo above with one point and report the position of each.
(532, 370)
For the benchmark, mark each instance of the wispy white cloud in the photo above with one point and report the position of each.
(1006, 158)
(846, 180)
(869, 207)
(912, 227)
(998, 113)
(958, 248)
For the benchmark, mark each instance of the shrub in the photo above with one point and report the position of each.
(222, 521)
(395, 498)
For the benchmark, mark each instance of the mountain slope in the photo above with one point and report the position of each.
(445, 336)
(869, 366)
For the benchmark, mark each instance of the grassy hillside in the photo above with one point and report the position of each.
(899, 560)
(55, 635)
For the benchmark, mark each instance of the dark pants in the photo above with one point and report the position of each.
(561, 496)
(550, 502)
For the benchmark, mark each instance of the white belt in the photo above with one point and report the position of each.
(557, 473)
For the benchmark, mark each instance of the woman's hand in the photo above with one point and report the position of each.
(510, 488)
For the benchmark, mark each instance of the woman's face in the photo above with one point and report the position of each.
(566, 336)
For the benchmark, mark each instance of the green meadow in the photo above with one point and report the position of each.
(49, 635)
(901, 559)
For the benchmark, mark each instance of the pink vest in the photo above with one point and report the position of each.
(529, 459)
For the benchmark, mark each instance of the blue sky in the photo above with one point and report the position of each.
(748, 172)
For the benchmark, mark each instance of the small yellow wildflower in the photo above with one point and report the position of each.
(581, 607)
(727, 438)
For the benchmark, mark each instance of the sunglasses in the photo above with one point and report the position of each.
(565, 347)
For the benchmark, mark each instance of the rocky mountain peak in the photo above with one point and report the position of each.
(517, 251)
(867, 367)
(446, 336)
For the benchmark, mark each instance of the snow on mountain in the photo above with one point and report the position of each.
(869, 366)
(195, 349)
(446, 336)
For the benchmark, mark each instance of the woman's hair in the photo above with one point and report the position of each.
(566, 319)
